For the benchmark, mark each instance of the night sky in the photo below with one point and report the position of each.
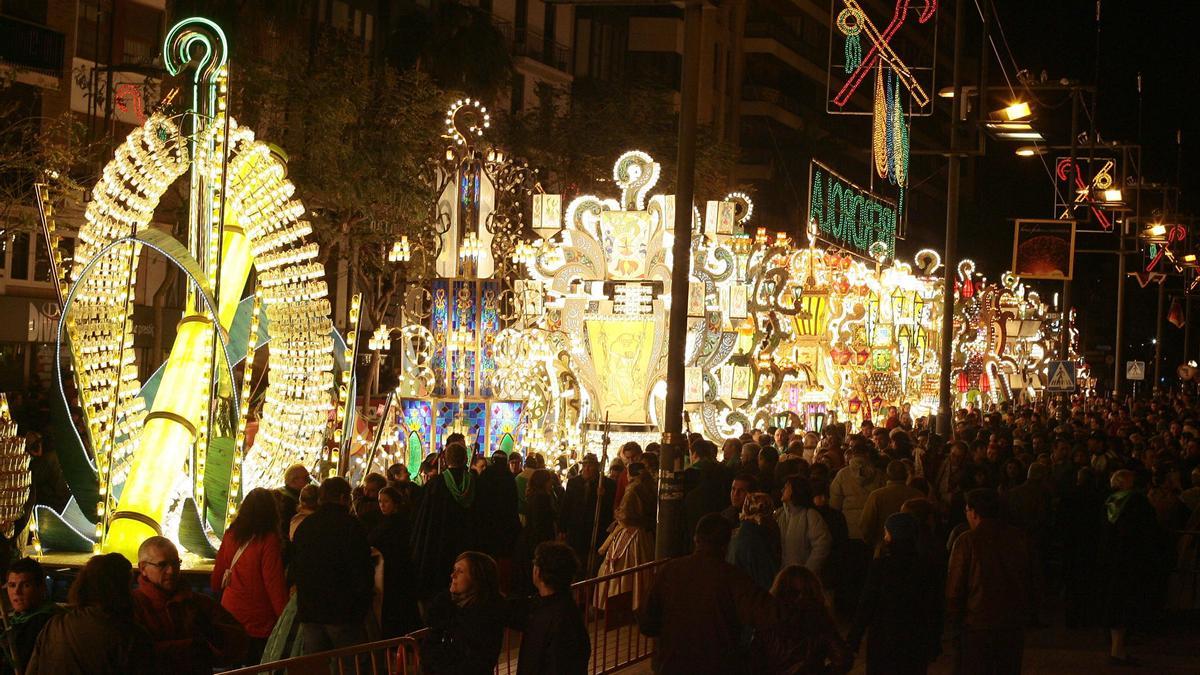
(1155, 38)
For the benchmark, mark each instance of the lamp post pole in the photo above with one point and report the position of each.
(950, 254)
(670, 539)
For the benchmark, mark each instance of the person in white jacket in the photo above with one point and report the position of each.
(852, 485)
(803, 535)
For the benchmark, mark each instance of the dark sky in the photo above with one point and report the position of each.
(1157, 39)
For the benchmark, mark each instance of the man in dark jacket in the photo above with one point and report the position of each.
(555, 639)
(191, 632)
(699, 604)
(988, 588)
(1129, 560)
(577, 514)
(31, 610)
(333, 572)
(496, 505)
(446, 522)
(705, 485)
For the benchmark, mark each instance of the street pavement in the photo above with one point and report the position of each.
(1055, 650)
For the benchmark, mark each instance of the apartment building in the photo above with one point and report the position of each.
(95, 60)
(763, 85)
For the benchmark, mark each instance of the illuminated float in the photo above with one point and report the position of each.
(459, 299)
(171, 455)
(597, 300)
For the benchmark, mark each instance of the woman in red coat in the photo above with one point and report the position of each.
(249, 571)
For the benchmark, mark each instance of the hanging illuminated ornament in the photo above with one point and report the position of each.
(850, 23)
(854, 405)
(879, 126)
(898, 151)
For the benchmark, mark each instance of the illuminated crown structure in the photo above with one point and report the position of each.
(458, 300)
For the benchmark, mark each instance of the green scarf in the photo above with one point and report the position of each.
(46, 608)
(463, 493)
(1115, 504)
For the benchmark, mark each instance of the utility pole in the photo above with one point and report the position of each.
(950, 255)
(671, 539)
(1065, 325)
(1119, 347)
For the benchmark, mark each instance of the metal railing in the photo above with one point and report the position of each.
(530, 43)
(29, 45)
(785, 36)
(609, 604)
(396, 656)
(753, 92)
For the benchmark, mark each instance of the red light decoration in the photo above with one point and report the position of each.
(1174, 233)
(1083, 192)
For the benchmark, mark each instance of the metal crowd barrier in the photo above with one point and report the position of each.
(395, 656)
(609, 605)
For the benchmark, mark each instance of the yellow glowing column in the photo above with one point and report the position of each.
(172, 424)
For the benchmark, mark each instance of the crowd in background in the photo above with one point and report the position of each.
(803, 547)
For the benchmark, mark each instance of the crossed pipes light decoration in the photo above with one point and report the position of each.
(852, 21)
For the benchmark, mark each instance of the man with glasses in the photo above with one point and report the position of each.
(192, 633)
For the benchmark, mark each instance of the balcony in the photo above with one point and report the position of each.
(808, 58)
(770, 102)
(534, 45)
(29, 46)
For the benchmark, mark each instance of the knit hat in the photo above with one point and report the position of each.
(902, 526)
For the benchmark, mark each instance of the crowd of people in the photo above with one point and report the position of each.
(804, 545)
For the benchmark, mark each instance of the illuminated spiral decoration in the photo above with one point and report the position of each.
(928, 261)
(636, 173)
(466, 121)
(743, 206)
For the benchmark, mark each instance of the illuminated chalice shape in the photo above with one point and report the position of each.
(243, 216)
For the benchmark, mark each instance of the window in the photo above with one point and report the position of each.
(137, 51)
(93, 31)
(27, 259)
(369, 31)
(20, 256)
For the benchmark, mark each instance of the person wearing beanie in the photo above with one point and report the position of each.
(900, 609)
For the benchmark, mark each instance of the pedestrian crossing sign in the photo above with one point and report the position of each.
(1062, 377)
(1135, 370)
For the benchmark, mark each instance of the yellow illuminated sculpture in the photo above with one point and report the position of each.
(242, 217)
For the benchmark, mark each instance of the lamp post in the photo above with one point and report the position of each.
(950, 255)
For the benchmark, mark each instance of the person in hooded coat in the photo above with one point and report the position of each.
(445, 525)
(496, 503)
(900, 606)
